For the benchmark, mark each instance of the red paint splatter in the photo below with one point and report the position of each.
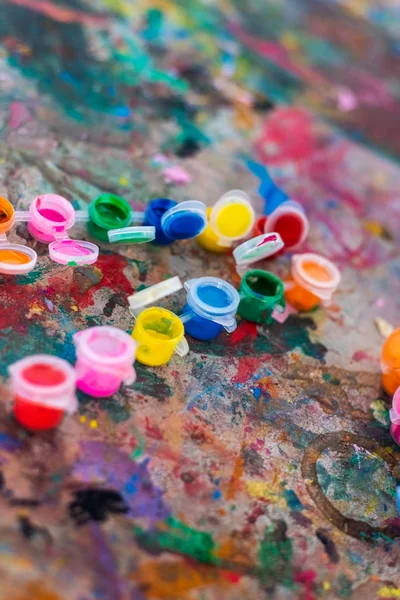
(247, 367)
(307, 579)
(153, 431)
(231, 577)
(244, 330)
(361, 355)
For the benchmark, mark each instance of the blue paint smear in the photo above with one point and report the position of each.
(217, 495)
(9, 443)
(292, 500)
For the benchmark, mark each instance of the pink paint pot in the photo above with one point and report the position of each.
(43, 387)
(290, 221)
(50, 217)
(104, 360)
(394, 414)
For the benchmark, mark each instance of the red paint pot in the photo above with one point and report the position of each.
(290, 221)
(44, 390)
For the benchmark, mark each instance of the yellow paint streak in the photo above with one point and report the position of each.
(125, 9)
(261, 489)
(389, 592)
(371, 506)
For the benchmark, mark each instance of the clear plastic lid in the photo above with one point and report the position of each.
(73, 252)
(39, 389)
(132, 235)
(151, 295)
(214, 299)
(185, 220)
(316, 274)
(258, 248)
(232, 217)
(16, 259)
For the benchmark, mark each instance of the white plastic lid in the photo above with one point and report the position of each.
(291, 207)
(9, 263)
(60, 396)
(232, 217)
(258, 248)
(73, 252)
(184, 221)
(322, 289)
(108, 349)
(132, 235)
(150, 295)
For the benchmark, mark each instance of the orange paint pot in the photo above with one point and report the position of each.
(390, 363)
(313, 282)
(7, 215)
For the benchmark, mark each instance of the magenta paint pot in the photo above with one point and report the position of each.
(50, 218)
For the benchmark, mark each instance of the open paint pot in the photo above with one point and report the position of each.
(394, 414)
(49, 219)
(104, 360)
(159, 334)
(261, 293)
(314, 281)
(290, 221)
(211, 307)
(108, 212)
(390, 363)
(44, 391)
(174, 221)
(232, 217)
(15, 259)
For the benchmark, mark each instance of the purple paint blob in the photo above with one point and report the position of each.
(51, 215)
(102, 462)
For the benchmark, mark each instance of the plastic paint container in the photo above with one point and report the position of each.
(390, 363)
(105, 357)
(158, 333)
(152, 294)
(394, 414)
(261, 293)
(108, 212)
(211, 307)
(259, 226)
(208, 239)
(132, 235)
(314, 281)
(15, 259)
(258, 248)
(232, 217)
(175, 221)
(290, 221)
(44, 390)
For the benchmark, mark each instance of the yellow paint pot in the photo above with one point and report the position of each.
(159, 334)
(208, 239)
(232, 218)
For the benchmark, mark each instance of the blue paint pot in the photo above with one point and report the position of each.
(153, 215)
(175, 221)
(211, 307)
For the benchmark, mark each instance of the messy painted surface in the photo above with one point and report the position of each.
(260, 466)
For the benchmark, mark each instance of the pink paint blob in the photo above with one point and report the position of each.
(52, 215)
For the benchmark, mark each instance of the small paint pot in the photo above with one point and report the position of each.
(390, 363)
(50, 218)
(232, 217)
(44, 391)
(211, 307)
(15, 259)
(314, 281)
(174, 221)
(208, 239)
(108, 212)
(394, 414)
(261, 293)
(159, 334)
(7, 215)
(290, 221)
(104, 360)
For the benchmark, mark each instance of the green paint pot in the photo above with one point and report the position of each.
(108, 212)
(261, 293)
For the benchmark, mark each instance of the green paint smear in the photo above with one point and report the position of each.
(181, 539)
(345, 586)
(275, 556)
(151, 384)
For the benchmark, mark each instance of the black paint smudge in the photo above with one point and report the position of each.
(117, 299)
(328, 544)
(189, 148)
(94, 504)
(30, 531)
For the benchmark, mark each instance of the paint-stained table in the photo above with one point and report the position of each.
(261, 465)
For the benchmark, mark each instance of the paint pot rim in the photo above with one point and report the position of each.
(9, 209)
(15, 269)
(114, 201)
(290, 207)
(263, 275)
(208, 310)
(301, 276)
(181, 212)
(231, 197)
(64, 258)
(60, 396)
(58, 203)
(83, 339)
